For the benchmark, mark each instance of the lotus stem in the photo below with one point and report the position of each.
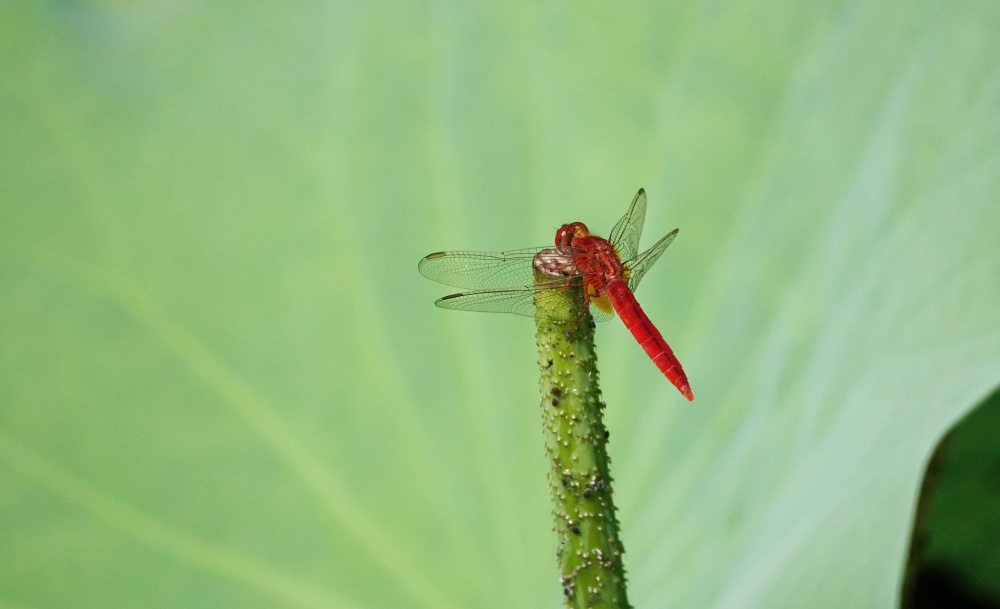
(590, 548)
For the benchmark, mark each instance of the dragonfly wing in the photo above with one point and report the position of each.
(625, 234)
(519, 300)
(482, 271)
(644, 261)
(600, 314)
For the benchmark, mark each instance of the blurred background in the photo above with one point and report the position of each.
(224, 384)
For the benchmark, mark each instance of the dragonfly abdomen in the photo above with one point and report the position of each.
(648, 337)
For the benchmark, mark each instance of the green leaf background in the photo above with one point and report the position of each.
(223, 383)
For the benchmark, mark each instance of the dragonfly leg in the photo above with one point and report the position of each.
(586, 305)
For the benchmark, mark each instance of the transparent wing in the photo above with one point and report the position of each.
(600, 315)
(519, 301)
(625, 234)
(644, 261)
(482, 271)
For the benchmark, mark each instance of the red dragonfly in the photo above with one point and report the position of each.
(609, 270)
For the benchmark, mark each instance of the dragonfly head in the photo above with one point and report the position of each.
(568, 232)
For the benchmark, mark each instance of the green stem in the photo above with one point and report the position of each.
(590, 549)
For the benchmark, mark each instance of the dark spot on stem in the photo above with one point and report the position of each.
(567, 584)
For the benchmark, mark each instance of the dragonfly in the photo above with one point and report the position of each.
(608, 271)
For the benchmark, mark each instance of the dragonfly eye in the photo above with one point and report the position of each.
(563, 238)
(568, 232)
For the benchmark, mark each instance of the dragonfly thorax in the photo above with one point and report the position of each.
(597, 260)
